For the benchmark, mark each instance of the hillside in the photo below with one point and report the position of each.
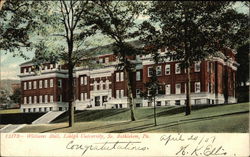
(223, 118)
(6, 85)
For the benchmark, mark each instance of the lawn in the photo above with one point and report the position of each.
(9, 111)
(223, 118)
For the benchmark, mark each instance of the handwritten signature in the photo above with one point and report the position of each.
(107, 146)
(194, 145)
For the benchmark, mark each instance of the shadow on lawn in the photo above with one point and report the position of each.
(55, 129)
(192, 120)
(89, 115)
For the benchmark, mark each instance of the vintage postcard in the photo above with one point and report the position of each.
(124, 78)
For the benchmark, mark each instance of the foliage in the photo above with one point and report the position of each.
(116, 19)
(192, 30)
(16, 96)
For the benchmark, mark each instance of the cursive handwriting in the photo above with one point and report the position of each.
(106, 146)
(194, 145)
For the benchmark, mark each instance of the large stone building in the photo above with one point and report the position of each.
(104, 87)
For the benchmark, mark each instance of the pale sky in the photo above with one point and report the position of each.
(10, 65)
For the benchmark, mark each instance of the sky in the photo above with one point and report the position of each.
(9, 65)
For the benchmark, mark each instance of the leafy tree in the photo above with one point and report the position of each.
(242, 57)
(60, 34)
(15, 26)
(116, 19)
(16, 96)
(153, 86)
(190, 30)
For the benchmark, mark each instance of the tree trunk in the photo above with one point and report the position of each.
(70, 81)
(155, 112)
(71, 96)
(130, 99)
(188, 101)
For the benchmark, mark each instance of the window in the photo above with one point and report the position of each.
(122, 93)
(59, 98)
(97, 101)
(59, 83)
(122, 76)
(168, 89)
(30, 100)
(81, 96)
(24, 86)
(104, 99)
(85, 80)
(138, 93)
(51, 83)
(40, 99)
(34, 84)
(41, 84)
(150, 71)
(197, 87)
(29, 69)
(106, 60)
(177, 68)
(178, 88)
(177, 102)
(197, 66)
(35, 99)
(138, 75)
(118, 94)
(81, 78)
(208, 87)
(46, 98)
(158, 103)
(167, 69)
(25, 100)
(45, 83)
(158, 70)
(30, 85)
(117, 78)
(51, 98)
(85, 96)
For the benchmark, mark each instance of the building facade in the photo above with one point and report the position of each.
(105, 87)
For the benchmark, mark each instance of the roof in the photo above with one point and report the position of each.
(100, 50)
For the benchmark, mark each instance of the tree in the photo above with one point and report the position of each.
(153, 86)
(116, 19)
(59, 35)
(190, 30)
(242, 57)
(16, 96)
(16, 24)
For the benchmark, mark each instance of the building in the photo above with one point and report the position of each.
(104, 87)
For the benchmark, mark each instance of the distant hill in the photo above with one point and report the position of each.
(6, 85)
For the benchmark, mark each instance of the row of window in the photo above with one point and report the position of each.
(103, 60)
(168, 69)
(41, 99)
(197, 89)
(101, 85)
(46, 67)
(42, 84)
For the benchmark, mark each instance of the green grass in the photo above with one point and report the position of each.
(223, 118)
(10, 111)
